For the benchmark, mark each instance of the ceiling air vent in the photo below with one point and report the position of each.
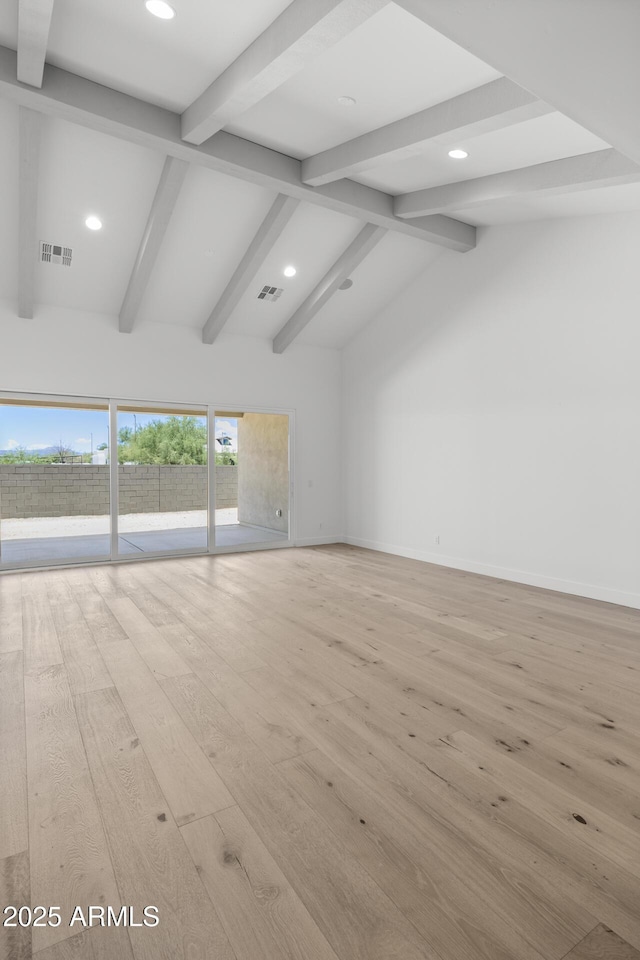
(52, 253)
(270, 293)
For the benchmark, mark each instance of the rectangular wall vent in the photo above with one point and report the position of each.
(53, 253)
(270, 293)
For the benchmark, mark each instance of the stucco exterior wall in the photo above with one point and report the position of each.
(263, 470)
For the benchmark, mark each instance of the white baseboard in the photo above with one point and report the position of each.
(316, 541)
(607, 594)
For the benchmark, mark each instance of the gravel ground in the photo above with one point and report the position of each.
(24, 529)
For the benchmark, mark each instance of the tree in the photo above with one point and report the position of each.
(125, 435)
(225, 458)
(61, 452)
(177, 440)
(17, 455)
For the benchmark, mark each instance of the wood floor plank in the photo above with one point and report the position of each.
(13, 757)
(488, 812)
(97, 943)
(262, 915)
(269, 683)
(608, 780)
(294, 645)
(590, 826)
(312, 859)
(67, 845)
(192, 787)
(158, 655)
(557, 695)
(11, 619)
(578, 670)
(193, 591)
(101, 622)
(463, 906)
(85, 667)
(396, 759)
(603, 944)
(223, 634)
(41, 645)
(151, 863)
(429, 781)
(604, 748)
(263, 720)
(379, 761)
(15, 942)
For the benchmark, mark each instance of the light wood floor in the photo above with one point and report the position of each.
(316, 754)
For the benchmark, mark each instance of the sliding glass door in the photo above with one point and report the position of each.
(55, 500)
(95, 479)
(162, 479)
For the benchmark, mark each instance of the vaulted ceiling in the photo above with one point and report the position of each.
(218, 147)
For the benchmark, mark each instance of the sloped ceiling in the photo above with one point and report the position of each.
(393, 64)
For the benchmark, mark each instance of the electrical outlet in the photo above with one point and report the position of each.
(438, 540)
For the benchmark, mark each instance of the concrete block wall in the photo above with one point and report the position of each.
(226, 486)
(71, 490)
(53, 490)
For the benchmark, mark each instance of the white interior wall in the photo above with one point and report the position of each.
(68, 352)
(496, 405)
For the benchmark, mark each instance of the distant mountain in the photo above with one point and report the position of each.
(44, 452)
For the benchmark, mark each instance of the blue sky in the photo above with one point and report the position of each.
(36, 428)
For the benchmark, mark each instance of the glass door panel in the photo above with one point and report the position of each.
(54, 481)
(252, 478)
(162, 479)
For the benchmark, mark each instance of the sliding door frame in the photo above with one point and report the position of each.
(149, 406)
(56, 400)
(111, 405)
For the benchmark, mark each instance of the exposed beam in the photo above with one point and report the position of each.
(302, 31)
(30, 124)
(603, 168)
(270, 229)
(581, 57)
(164, 202)
(492, 106)
(355, 253)
(34, 21)
(69, 97)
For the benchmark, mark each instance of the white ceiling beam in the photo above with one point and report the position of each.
(355, 253)
(270, 229)
(492, 106)
(30, 124)
(164, 203)
(602, 168)
(581, 56)
(66, 96)
(303, 30)
(34, 21)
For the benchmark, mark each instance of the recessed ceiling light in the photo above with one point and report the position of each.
(346, 101)
(94, 223)
(160, 9)
(458, 154)
(289, 271)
